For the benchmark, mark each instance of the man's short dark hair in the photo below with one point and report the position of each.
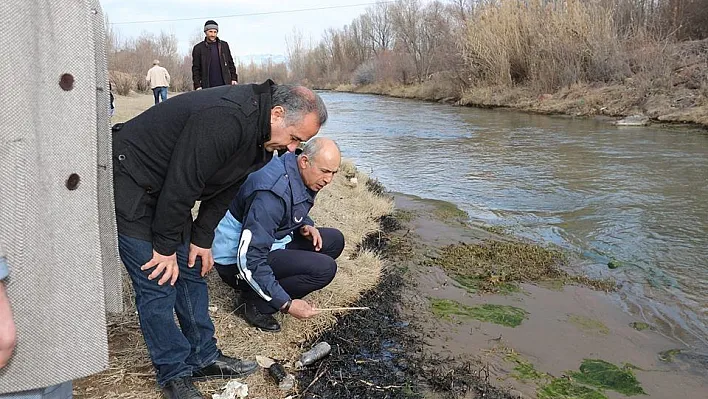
(298, 101)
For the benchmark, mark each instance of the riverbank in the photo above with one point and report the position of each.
(442, 330)
(612, 102)
(537, 334)
(680, 97)
(423, 336)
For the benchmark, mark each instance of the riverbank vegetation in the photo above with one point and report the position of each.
(579, 57)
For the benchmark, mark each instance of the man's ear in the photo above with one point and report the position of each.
(302, 160)
(276, 113)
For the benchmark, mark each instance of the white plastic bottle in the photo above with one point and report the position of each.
(316, 353)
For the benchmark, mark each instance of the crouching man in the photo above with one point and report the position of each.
(267, 248)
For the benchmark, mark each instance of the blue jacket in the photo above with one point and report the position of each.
(270, 205)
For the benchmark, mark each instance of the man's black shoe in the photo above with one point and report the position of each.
(181, 388)
(226, 367)
(260, 320)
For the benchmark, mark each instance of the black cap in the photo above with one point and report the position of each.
(211, 24)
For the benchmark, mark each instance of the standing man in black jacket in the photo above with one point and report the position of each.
(212, 63)
(199, 145)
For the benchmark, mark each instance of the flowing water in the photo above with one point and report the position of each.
(634, 195)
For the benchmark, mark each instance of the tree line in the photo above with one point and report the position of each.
(450, 46)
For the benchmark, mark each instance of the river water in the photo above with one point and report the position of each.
(636, 195)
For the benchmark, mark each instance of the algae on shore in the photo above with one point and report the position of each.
(525, 371)
(551, 387)
(562, 388)
(595, 376)
(588, 324)
(667, 356)
(605, 375)
(504, 315)
(494, 266)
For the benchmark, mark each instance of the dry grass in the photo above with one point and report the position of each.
(351, 208)
(579, 58)
(546, 46)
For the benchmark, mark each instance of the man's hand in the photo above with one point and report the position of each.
(8, 333)
(312, 234)
(301, 309)
(162, 263)
(205, 254)
(233, 82)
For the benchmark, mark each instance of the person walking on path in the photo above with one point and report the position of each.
(159, 80)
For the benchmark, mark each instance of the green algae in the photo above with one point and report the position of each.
(493, 266)
(447, 211)
(504, 315)
(614, 264)
(668, 355)
(605, 375)
(594, 378)
(562, 388)
(404, 215)
(523, 370)
(476, 284)
(494, 229)
(588, 324)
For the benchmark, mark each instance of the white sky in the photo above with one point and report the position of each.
(247, 35)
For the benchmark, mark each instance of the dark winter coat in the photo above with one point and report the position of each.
(199, 145)
(201, 58)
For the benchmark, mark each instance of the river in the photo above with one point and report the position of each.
(636, 195)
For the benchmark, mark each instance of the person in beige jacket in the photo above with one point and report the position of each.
(159, 80)
(59, 266)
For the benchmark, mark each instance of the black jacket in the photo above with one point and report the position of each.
(199, 145)
(201, 58)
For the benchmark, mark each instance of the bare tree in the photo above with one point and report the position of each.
(381, 27)
(296, 53)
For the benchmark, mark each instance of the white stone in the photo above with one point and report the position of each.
(634, 120)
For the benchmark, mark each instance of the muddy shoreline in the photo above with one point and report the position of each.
(419, 341)
(379, 353)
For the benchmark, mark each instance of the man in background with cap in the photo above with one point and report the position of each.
(159, 80)
(212, 64)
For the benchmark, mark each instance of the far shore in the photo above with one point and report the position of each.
(681, 106)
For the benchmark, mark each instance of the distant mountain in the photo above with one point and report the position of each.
(260, 59)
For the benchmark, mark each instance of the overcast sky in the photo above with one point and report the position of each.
(247, 35)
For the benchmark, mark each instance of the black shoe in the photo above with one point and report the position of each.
(226, 367)
(265, 322)
(181, 388)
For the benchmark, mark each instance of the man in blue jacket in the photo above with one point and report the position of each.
(267, 247)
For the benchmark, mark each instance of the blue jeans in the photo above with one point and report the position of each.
(175, 350)
(61, 391)
(159, 92)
